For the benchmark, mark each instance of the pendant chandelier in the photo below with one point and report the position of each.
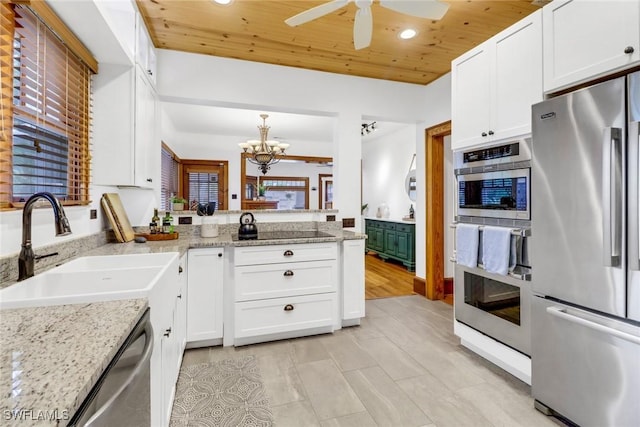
(264, 153)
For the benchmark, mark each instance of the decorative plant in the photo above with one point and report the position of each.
(176, 199)
(262, 190)
(364, 208)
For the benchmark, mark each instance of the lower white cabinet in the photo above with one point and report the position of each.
(282, 291)
(352, 282)
(204, 299)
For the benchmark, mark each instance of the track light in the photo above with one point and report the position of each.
(367, 128)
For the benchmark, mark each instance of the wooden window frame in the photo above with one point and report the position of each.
(207, 166)
(71, 120)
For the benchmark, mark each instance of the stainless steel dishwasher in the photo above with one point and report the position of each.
(121, 396)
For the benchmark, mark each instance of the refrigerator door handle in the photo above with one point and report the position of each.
(634, 200)
(561, 313)
(612, 196)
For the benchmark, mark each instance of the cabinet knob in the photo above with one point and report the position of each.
(167, 332)
(490, 132)
(150, 72)
(288, 273)
(484, 134)
(220, 255)
(288, 253)
(180, 270)
(149, 180)
(629, 49)
(288, 307)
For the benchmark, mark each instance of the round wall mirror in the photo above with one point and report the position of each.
(410, 185)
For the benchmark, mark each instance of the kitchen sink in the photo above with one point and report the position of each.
(116, 262)
(90, 279)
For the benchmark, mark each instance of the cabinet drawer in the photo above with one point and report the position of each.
(271, 254)
(279, 280)
(374, 224)
(255, 318)
(389, 225)
(404, 227)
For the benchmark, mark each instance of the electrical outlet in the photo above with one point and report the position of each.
(234, 196)
(93, 213)
(331, 218)
(348, 222)
(185, 220)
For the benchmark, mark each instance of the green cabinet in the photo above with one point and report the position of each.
(395, 240)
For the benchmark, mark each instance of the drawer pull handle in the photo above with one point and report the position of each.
(167, 332)
(180, 270)
(288, 273)
(288, 253)
(288, 307)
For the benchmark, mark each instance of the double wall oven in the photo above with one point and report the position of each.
(493, 189)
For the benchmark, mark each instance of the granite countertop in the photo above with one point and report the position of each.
(80, 341)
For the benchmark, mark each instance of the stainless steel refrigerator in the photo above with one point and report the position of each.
(584, 252)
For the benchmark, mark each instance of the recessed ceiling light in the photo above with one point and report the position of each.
(223, 2)
(407, 34)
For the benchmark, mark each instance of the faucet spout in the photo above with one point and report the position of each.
(26, 258)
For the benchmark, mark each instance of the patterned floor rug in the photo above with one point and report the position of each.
(227, 393)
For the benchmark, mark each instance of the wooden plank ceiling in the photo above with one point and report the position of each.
(254, 30)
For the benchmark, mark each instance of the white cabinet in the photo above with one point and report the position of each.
(145, 51)
(282, 291)
(204, 300)
(585, 39)
(126, 147)
(495, 84)
(352, 281)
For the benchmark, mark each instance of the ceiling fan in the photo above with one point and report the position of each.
(363, 25)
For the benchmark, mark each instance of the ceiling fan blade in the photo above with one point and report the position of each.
(315, 12)
(431, 9)
(362, 28)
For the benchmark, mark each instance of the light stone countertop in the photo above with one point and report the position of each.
(51, 357)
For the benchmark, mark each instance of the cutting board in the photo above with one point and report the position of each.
(118, 217)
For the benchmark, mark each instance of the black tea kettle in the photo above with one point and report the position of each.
(248, 229)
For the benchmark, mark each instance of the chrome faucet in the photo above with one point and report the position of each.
(26, 258)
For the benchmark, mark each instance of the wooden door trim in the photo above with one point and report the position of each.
(321, 187)
(434, 215)
(189, 164)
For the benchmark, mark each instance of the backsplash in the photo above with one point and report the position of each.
(74, 248)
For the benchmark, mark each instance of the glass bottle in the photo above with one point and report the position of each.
(155, 218)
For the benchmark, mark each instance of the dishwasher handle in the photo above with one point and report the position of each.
(135, 374)
(562, 314)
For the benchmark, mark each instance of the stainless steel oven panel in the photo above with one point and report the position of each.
(510, 334)
(524, 154)
(496, 213)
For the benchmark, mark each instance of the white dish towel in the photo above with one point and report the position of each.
(496, 249)
(467, 240)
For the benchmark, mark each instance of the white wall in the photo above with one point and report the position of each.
(385, 163)
(438, 98)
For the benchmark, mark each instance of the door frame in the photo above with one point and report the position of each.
(321, 188)
(433, 285)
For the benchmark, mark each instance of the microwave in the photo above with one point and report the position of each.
(498, 194)
(494, 181)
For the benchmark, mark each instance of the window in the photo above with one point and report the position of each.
(205, 181)
(290, 192)
(169, 172)
(44, 135)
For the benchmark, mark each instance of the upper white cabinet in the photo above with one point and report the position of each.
(126, 147)
(495, 84)
(588, 39)
(145, 51)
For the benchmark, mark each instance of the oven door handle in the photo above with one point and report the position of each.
(134, 376)
(612, 196)
(561, 313)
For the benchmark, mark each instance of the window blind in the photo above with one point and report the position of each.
(49, 112)
(168, 177)
(203, 187)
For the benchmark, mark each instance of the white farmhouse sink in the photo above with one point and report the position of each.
(86, 280)
(116, 262)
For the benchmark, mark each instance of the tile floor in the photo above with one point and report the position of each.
(403, 366)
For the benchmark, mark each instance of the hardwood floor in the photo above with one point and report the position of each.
(385, 279)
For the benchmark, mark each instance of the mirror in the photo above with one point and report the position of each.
(410, 185)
